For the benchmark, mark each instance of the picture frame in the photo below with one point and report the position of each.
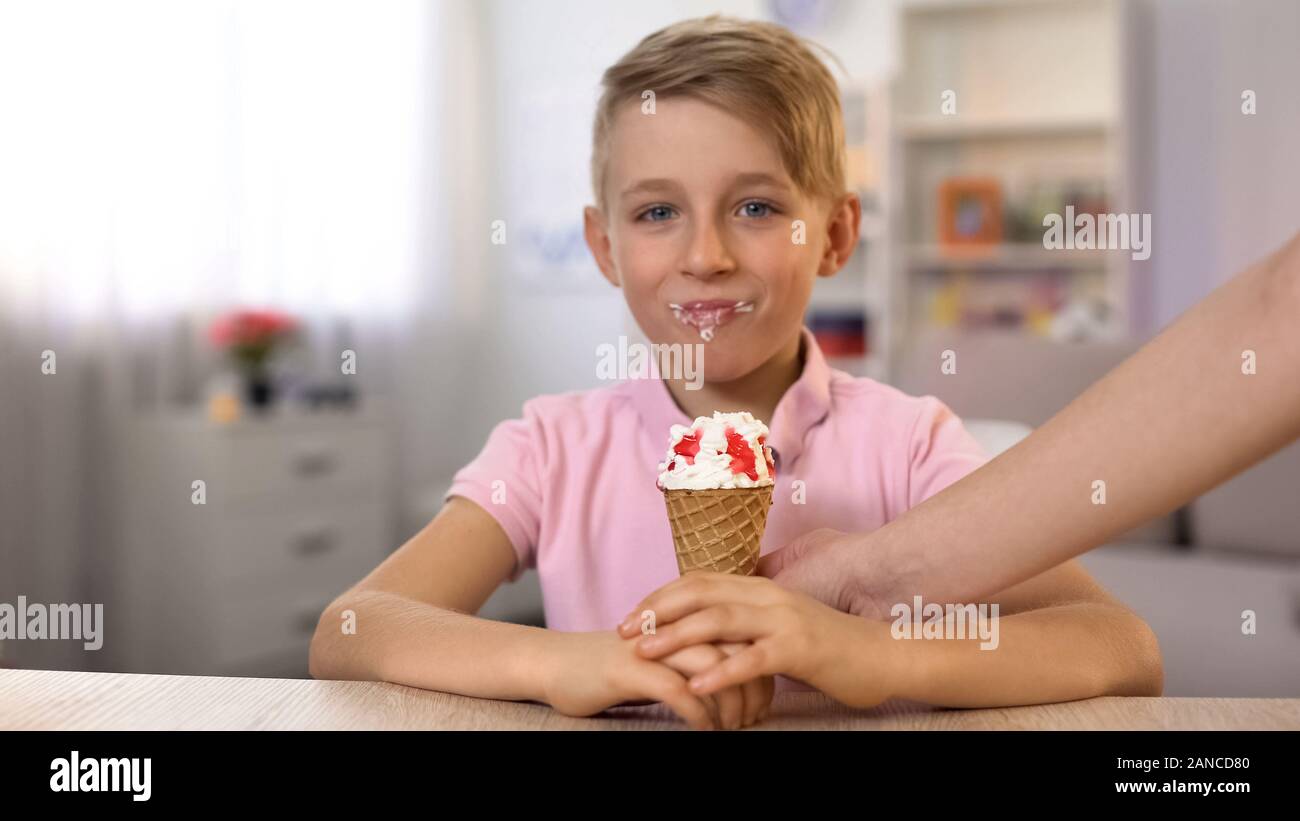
(970, 211)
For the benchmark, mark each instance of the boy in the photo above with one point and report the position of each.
(697, 199)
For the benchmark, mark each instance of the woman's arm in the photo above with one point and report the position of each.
(1175, 419)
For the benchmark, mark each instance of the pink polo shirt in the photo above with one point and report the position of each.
(572, 483)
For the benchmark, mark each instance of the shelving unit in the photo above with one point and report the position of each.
(1040, 102)
(1011, 256)
(944, 129)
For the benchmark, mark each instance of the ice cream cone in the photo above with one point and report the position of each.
(718, 530)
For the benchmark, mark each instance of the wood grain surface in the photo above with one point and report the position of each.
(61, 700)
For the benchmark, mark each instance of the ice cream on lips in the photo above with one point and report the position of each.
(728, 450)
(705, 316)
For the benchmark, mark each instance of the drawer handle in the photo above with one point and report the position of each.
(314, 542)
(313, 462)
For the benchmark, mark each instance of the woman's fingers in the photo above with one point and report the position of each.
(695, 591)
(763, 658)
(719, 623)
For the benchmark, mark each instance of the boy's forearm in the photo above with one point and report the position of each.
(414, 643)
(1060, 653)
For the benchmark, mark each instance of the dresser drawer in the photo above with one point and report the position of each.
(271, 465)
(301, 549)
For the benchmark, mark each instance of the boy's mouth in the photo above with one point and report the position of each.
(706, 315)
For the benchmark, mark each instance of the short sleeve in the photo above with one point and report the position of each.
(941, 451)
(505, 480)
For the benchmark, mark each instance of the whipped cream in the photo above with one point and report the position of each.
(727, 450)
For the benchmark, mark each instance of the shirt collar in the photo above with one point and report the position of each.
(800, 409)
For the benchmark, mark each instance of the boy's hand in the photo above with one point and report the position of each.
(852, 660)
(590, 672)
(739, 705)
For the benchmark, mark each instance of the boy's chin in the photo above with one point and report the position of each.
(713, 361)
(728, 356)
(724, 363)
(733, 353)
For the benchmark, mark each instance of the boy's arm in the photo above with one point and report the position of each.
(412, 616)
(1060, 637)
(413, 626)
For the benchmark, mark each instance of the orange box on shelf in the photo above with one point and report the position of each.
(970, 211)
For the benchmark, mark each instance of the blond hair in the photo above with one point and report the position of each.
(760, 72)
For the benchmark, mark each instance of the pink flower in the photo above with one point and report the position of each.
(251, 328)
(250, 337)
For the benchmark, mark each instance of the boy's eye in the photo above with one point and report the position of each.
(656, 213)
(659, 213)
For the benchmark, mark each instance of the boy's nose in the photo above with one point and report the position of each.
(708, 255)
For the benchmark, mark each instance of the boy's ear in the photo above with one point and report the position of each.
(595, 229)
(842, 229)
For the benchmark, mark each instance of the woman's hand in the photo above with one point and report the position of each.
(836, 569)
(850, 659)
(591, 672)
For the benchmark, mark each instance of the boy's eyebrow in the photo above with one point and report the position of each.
(659, 184)
(664, 184)
(757, 177)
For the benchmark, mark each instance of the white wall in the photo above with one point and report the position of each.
(1224, 187)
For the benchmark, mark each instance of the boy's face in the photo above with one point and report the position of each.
(699, 215)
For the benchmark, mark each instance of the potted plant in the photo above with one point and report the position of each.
(250, 339)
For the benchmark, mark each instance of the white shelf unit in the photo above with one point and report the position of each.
(1009, 256)
(940, 129)
(1040, 98)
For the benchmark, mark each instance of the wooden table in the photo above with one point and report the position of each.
(58, 700)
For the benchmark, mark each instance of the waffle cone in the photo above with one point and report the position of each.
(718, 530)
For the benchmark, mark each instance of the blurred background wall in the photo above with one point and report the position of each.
(345, 163)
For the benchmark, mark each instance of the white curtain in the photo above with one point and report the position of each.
(161, 162)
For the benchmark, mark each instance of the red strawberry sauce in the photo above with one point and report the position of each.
(742, 455)
(688, 447)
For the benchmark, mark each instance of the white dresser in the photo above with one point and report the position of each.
(299, 505)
